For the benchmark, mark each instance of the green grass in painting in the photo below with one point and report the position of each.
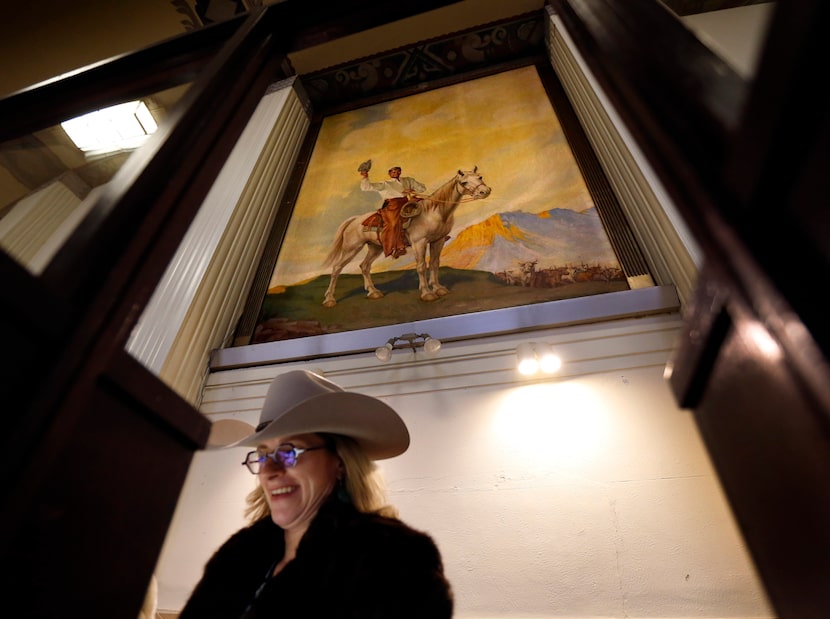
(470, 291)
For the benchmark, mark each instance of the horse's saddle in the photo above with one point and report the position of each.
(373, 223)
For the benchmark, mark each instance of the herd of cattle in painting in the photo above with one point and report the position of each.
(526, 274)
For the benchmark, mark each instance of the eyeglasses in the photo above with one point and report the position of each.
(285, 455)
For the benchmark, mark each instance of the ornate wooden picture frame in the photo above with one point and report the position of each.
(543, 229)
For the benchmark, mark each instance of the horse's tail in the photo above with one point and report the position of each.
(336, 250)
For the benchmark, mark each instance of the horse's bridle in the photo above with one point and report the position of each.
(464, 192)
(468, 192)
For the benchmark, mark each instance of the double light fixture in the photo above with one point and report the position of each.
(408, 340)
(537, 356)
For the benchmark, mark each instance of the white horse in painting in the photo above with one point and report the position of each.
(429, 228)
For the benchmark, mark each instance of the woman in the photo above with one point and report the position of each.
(321, 540)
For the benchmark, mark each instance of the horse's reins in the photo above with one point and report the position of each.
(468, 198)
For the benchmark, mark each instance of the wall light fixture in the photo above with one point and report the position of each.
(535, 356)
(410, 340)
(120, 127)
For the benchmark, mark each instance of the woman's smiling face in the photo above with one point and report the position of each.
(295, 493)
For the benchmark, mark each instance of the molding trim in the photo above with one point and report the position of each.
(196, 304)
(36, 227)
(521, 318)
(671, 251)
(489, 362)
(413, 68)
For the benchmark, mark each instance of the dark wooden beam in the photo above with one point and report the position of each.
(745, 164)
(296, 23)
(173, 62)
(96, 442)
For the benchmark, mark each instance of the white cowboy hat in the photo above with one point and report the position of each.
(300, 402)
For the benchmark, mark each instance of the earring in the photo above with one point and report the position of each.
(342, 493)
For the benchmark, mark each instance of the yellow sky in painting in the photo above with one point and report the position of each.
(504, 124)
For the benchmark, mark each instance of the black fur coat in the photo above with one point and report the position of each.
(349, 565)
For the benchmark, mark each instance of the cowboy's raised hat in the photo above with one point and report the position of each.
(299, 402)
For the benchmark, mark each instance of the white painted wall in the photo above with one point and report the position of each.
(586, 495)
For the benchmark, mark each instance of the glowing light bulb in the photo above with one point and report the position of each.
(384, 353)
(548, 361)
(431, 345)
(528, 364)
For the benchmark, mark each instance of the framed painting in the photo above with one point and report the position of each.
(502, 204)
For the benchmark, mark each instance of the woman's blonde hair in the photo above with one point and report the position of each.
(362, 482)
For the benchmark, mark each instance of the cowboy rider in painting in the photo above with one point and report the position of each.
(396, 192)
